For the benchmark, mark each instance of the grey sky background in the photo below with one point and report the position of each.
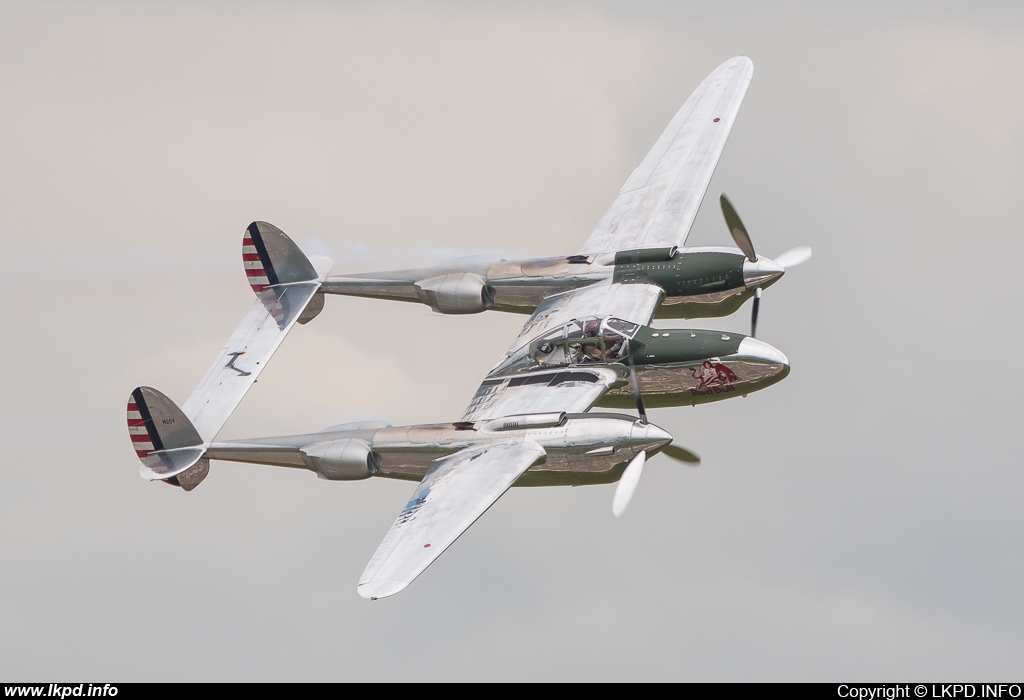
(859, 521)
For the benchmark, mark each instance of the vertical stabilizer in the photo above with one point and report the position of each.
(270, 258)
(163, 437)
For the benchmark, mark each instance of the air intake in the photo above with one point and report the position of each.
(646, 255)
(527, 420)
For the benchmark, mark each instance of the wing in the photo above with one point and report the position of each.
(571, 391)
(657, 205)
(451, 497)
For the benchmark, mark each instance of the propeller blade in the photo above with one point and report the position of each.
(627, 484)
(753, 316)
(794, 257)
(681, 454)
(737, 229)
(636, 390)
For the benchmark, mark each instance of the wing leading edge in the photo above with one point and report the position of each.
(657, 205)
(453, 494)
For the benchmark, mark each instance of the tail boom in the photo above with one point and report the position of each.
(170, 441)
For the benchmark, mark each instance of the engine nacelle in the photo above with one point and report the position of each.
(347, 459)
(456, 293)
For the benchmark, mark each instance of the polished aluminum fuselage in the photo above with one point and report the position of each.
(591, 449)
(584, 449)
(520, 286)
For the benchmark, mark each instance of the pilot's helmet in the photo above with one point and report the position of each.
(592, 327)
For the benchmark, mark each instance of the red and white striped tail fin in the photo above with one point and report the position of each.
(272, 258)
(163, 438)
(139, 427)
(172, 442)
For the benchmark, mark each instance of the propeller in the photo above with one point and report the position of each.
(628, 483)
(737, 229)
(771, 269)
(630, 478)
(794, 257)
(681, 454)
(753, 313)
(636, 389)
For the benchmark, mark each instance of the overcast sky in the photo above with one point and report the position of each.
(859, 521)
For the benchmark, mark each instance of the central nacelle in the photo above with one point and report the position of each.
(673, 366)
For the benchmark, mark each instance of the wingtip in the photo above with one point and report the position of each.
(380, 589)
(736, 67)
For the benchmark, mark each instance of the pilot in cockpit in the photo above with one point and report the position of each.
(598, 346)
(589, 346)
(612, 346)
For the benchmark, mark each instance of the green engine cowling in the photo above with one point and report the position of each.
(686, 367)
(681, 274)
(698, 282)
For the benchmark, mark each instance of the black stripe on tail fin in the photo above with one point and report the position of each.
(271, 258)
(163, 437)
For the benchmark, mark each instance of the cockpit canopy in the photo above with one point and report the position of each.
(589, 340)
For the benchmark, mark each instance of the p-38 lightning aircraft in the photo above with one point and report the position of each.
(588, 342)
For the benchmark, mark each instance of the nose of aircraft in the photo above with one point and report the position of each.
(760, 350)
(647, 436)
(761, 273)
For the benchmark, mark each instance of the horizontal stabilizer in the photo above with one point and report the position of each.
(287, 291)
(172, 442)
